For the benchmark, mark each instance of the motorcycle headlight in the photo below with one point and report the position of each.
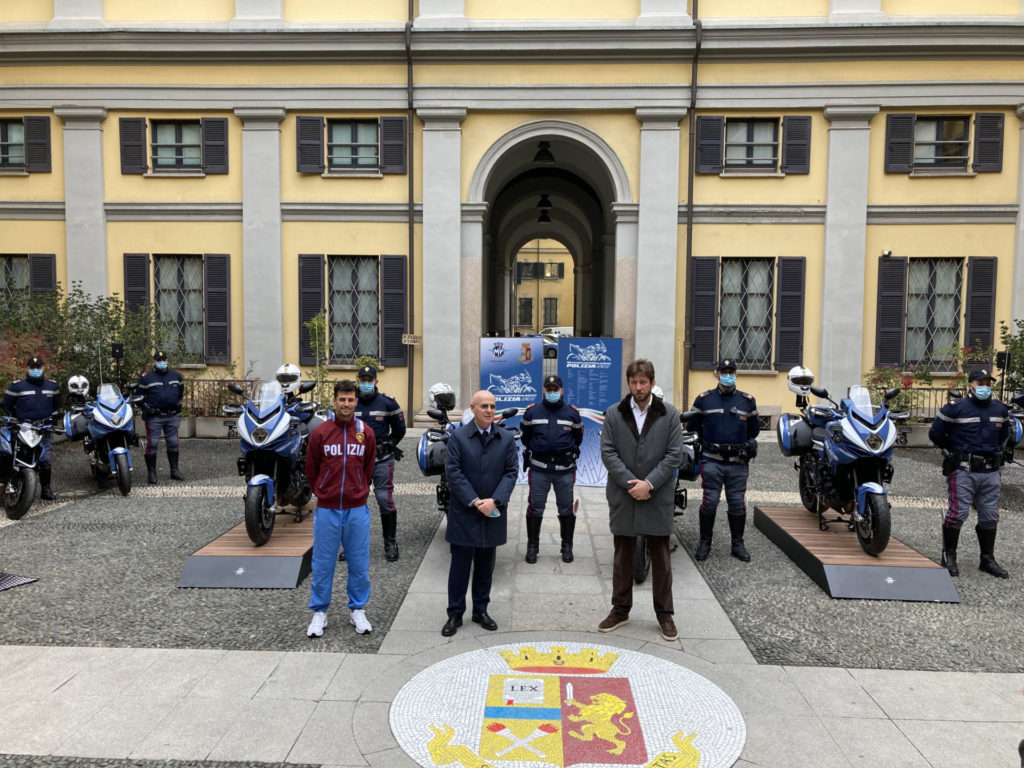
(874, 442)
(260, 435)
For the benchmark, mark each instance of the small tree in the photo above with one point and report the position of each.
(1013, 345)
(317, 327)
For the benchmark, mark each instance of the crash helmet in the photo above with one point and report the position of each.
(658, 392)
(78, 385)
(799, 380)
(288, 376)
(442, 396)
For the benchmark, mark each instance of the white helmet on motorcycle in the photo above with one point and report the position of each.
(799, 380)
(658, 392)
(442, 396)
(78, 385)
(289, 377)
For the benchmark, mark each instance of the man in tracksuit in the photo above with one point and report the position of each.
(339, 464)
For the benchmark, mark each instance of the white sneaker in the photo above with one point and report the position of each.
(316, 626)
(359, 621)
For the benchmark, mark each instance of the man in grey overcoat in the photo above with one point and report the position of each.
(641, 445)
(482, 466)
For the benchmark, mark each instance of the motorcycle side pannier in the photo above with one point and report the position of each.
(689, 469)
(431, 455)
(76, 426)
(795, 436)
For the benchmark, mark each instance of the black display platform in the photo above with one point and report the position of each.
(834, 560)
(233, 561)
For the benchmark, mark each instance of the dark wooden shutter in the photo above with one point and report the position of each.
(796, 144)
(704, 305)
(392, 145)
(42, 273)
(980, 315)
(392, 310)
(988, 142)
(561, 270)
(710, 135)
(215, 144)
(37, 144)
(136, 280)
(899, 143)
(133, 145)
(890, 323)
(309, 135)
(217, 306)
(311, 301)
(789, 312)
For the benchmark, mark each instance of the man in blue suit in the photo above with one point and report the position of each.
(482, 466)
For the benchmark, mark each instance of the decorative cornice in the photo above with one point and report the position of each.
(20, 210)
(851, 116)
(173, 211)
(350, 212)
(943, 214)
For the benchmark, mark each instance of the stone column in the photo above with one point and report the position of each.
(621, 290)
(663, 13)
(85, 221)
(657, 241)
(842, 330)
(263, 309)
(441, 14)
(472, 283)
(443, 332)
(1017, 296)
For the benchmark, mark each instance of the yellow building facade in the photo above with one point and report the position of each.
(833, 183)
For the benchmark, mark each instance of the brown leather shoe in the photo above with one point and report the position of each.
(614, 620)
(668, 627)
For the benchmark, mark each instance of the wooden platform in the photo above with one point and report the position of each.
(836, 562)
(233, 561)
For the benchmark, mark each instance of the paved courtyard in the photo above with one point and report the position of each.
(104, 661)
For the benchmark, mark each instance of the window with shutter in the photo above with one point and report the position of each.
(393, 310)
(988, 143)
(12, 144)
(215, 144)
(14, 278)
(789, 313)
(745, 312)
(933, 308)
(136, 281)
(350, 146)
(980, 314)
(311, 303)
(217, 300)
(309, 150)
(890, 314)
(704, 308)
(796, 145)
(941, 143)
(37, 145)
(178, 299)
(133, 145)
(710, 132)
(42, 269)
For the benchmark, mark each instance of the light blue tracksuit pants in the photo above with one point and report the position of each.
(332, 529)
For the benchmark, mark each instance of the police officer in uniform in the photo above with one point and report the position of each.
(34, 398)
(384, 415)
(727, 423)
(552, 431)
(972, 432)
(163, 388)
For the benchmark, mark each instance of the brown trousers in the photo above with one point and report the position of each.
(661, 573)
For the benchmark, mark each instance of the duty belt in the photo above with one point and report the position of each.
(980, 462)
(729, 459)
(732, 453)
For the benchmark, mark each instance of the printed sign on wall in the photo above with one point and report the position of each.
(591, 370)
(512, 369)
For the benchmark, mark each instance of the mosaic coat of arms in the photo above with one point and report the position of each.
(552, 704)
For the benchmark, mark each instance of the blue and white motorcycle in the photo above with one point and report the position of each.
(106, 427)
(20, 448)
(844, 454)
(274, 431)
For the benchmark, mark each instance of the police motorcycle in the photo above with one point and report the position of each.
(843, 453)
(273, 429)
(20, 448)
(106, 427)
(432, 450)
(689, 470)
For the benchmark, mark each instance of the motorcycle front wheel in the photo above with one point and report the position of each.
(873, 533)
(259, 520)
(124, 474)
(20, 493)
(807, 495)
(641, 560)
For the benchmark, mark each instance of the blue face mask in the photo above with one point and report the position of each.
(35, 373)
(727, 379)
(162, 365)
(983, 393)
(367, 387)
(552, 397)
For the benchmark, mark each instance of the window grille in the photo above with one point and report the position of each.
(934, 288)
(14, 278)
(525, 312)
(550, 311)
(353, 307)
(178, 295)
(745, 329)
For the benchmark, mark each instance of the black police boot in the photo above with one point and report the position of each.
(389, 525)
(707, 527)
(150, 468)
(987, 544)
(172, 458)
(737, 524)
(532, 537)
(45, 475)
(568, 525)
(950, 539)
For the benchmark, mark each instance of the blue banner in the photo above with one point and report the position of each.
(512, 369)
(591, 370)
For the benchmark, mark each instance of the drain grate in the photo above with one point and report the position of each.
(8, 580)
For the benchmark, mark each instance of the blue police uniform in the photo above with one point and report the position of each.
(161, 410)
(34, 400)
(974, 433)
(727, 423)
(551, 434)
(385, 416)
